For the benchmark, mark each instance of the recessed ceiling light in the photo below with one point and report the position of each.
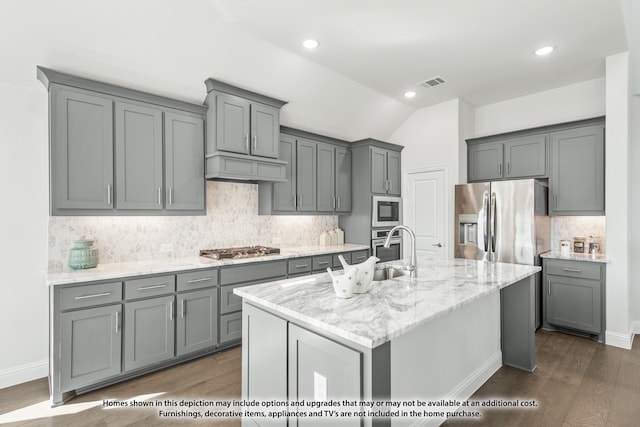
(310, 44)
(544, 50)
(409, 94)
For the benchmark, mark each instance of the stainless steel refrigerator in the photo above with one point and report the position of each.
(503, 221)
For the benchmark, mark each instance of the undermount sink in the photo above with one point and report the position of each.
(387, 271)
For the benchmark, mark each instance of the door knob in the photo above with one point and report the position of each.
(437, 244)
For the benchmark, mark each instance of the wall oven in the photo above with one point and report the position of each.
(386, 211)
(393, 252)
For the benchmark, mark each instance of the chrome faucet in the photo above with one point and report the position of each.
(413, 266)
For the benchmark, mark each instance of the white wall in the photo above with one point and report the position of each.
(160, 46)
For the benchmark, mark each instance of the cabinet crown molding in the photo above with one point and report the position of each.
(220, 86)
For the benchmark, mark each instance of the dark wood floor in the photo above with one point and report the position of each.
(578, 383)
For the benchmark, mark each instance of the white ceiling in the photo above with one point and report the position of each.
(483, 49)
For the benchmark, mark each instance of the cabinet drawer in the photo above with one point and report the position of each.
(149, 286)
(197, 279)
(359, 256)
(89, 295)
(581, 269)
(300, 265)
(230, 327)
(336, 260)
(252, 272)
(321, 262)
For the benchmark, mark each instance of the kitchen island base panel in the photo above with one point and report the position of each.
(518, 324)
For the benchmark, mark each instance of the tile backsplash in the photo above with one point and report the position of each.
(232, 220)
(568, 227)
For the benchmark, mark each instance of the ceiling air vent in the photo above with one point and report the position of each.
(433, 81)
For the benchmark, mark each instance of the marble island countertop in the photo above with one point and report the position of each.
(392, 307)
(168, 265)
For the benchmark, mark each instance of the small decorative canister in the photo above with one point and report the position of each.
(83, 255)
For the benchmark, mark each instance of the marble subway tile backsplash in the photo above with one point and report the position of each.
(232, 220)
(568, 227)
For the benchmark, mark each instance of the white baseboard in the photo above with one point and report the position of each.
(468, 386)
(23, 373)
(618, 339)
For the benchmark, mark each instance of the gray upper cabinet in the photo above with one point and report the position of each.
(184, 162)
(91, 120)
(495, 158)
(343, 179)
(577, 171)
(243, 134)
(285, 193)
(306, 174)
(385, 171)
(326, 178)
(138, 157)
(81, 156)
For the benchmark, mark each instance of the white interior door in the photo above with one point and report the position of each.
(426, 211)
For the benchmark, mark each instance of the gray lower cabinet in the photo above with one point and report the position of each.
(81, 155)
(90, 345)
(577, 180)
(197, 320)
(574, 296)
(149, 332)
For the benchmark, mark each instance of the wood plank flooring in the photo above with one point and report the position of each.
(578, 383)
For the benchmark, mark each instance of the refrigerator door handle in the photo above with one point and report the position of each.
(485, 220)
(493, 222)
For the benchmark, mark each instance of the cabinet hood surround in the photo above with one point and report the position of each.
(243, 130)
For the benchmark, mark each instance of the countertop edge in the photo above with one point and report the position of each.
(575, 256)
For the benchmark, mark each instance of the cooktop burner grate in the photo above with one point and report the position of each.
(241, 252)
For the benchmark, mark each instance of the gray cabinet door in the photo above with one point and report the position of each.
(184, 162)
(526, 157)
(265, 359)
(574, 303)
(378, 170)
(321, 369)
(306, 175)
(393, 173)
(343, 179)
(90, 345)
(232, 121)
(577, 172)
(265, 130)
(284, 193)
(326, 178)
(197, 320)
(81, 151)
(485, 161)
(138, 157)
(149, 332)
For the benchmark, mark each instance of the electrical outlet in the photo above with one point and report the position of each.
(319, 387)
(166, 248)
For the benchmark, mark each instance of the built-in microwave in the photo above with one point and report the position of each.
(386, 211)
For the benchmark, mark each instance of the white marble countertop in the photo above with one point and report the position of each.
(392, 307)
(576, 256)
(168, 265)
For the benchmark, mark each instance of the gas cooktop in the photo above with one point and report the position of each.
(241, 252)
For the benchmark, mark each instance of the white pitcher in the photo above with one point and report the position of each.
(344, 282)
(365, 273)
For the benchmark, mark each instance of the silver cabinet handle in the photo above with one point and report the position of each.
(508, 168)
(170, 195)
(159, 196)
(334, 202)
(109, 194)
(548, 286)
(147, 288)
(439, 245)
(92, 296)
(171, 310)
(182, 309)
(499, 168)
(246, 142)
(255, 142)
(572, 270)
(323, 263)
(204, 279)
(338, 202)
(300, 201)
(295, 200)
(390, 186)
(302, 265)
(117, 322)
(361, 257)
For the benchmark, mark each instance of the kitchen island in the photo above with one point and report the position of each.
(437, 336)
